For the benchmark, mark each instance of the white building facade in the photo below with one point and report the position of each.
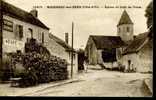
(19, 26)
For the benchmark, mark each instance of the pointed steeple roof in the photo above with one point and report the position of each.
(125, 19)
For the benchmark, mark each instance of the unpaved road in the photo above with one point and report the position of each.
(101, 83)
(96, 83)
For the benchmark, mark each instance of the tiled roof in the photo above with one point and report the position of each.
(125, 19)
(138, 41)
(60, 42)
(22, 15)
(102, 42)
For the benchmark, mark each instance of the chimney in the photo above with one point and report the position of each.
(66, 38)
(34, 12)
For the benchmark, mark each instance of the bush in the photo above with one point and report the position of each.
(28, 78)
(39, 65)
(40, 68)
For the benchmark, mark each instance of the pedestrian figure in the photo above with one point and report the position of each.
(86, 65)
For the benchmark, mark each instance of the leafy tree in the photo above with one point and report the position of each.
(149, 14)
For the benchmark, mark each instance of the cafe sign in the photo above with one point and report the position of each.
(13, 43)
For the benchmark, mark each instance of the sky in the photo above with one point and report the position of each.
(87, 21)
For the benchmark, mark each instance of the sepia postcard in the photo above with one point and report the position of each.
(78, 48)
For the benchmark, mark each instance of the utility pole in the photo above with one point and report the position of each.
(72, 50)
(1, 33)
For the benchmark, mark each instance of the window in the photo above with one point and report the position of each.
(128, 29)
(7, 25)
(42, 37)
(19, 32)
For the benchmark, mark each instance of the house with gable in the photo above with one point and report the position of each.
(138, 56)
(20, 26)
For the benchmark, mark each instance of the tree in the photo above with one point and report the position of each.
(149, 14)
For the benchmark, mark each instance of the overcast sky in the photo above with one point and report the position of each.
(87, 21)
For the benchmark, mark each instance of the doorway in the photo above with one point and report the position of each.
(129, 65)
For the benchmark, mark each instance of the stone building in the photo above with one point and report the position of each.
(19, 26)
(138, 56)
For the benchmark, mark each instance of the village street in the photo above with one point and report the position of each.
(93, 83)
(34, 52)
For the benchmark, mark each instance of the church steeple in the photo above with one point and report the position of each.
(125, 19)
(125, 27)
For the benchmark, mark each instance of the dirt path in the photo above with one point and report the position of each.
(95, 83)
(101, 83)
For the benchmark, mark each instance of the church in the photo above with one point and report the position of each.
(137, 55)
(133, 52)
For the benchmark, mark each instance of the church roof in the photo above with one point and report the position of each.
(12, 11)
(125, 19)
(102, 42)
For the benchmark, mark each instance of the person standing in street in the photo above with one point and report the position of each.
(86, 64)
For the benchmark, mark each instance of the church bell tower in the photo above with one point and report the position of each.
(125, 28)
